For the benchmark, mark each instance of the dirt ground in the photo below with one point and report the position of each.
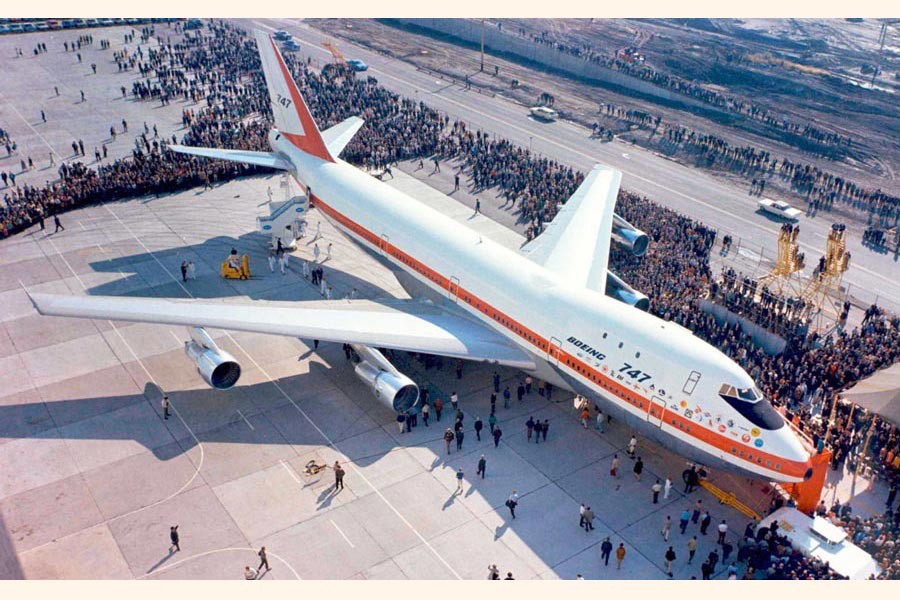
(696, 50)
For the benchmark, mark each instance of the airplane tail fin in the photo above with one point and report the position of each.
(292, 117)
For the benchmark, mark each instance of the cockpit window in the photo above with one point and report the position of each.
(751, 404)
(751, 394)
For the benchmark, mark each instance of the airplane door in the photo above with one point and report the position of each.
(553, 351)
(383, 244)
(453, 288)
(657, 411)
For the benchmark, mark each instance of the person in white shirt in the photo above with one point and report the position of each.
(271, 260)
(250, 573)
(282, 263)
(667, 488)
(192, 270)
(316, 253)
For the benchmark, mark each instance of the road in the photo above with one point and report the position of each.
(717, 203)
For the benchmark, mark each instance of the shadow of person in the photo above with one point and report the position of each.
(500, 530)
(450, 500)
(162, 560)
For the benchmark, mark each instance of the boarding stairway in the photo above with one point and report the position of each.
(286, 218)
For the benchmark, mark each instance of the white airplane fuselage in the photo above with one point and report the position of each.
(661, 379)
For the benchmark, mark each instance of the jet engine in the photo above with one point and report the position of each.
(218, 368)
(394, 389)
(630, 237)
(621, 291)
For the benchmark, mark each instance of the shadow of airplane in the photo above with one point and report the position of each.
(210, 254)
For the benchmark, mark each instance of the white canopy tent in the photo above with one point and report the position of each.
(879, 393)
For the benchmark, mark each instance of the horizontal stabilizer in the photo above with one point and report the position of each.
(336, 138)
(262, 159)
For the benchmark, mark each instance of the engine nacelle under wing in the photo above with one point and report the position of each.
(621, 291)
(218, 368)
(394, 389)
(627, 235)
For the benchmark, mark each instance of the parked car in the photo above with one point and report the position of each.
(544, 113)
(779, 208)
(282, 36)
(290, 46)
(28, 27)
(357, 65)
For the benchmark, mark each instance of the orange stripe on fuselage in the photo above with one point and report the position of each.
(672, 418)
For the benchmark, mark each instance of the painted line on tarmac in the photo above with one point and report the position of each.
(253, 550)
(343, 535)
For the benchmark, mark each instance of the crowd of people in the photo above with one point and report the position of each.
(218, 70)
(808, 136)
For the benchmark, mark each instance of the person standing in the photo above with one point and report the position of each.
(605, 551)
(459, 480)
(165, 407)
(585, 415)
(528, 382)
(545, 428)
(448, 437)
(506, 396)
(632, 446)
(614, 467)
(581, 510)
(192, 270)
(328, 251)
(698, 509)
(705, 521)
(670, 558)
(57, 223)
(459, 368)
(723, 529)
(497, 433)
(479, 425)
(493, 573)
(271, 258)
(454, 401)
(438, 407)
(174, 538)
(263, 560)
(685, 519)
(184, 271)
(638, 468)
(620, 556)
(706, 569)
(512, 502)
(496, 381)
(338, 476)
(666, 528)
(588, 519)
(492, 421)
(692, 548)
(482, 466)
(520, 391)
(656, 488)
(600, 420)
(529, 428)
(460, 435)
(426, 412)
(667, 488)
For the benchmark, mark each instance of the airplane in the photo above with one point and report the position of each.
(552, 308)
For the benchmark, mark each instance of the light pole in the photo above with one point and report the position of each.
(482, 46)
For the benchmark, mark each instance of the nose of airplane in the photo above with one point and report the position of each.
(792, 449)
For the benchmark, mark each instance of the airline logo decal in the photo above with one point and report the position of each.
(745, 438)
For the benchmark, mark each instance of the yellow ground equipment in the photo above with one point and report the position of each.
(239, 269)
(730, 499)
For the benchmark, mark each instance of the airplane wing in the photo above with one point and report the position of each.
(337, 137)
(263, 159)
(409, 325)
(576, 243)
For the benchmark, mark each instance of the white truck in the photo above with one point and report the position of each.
(779, 208)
